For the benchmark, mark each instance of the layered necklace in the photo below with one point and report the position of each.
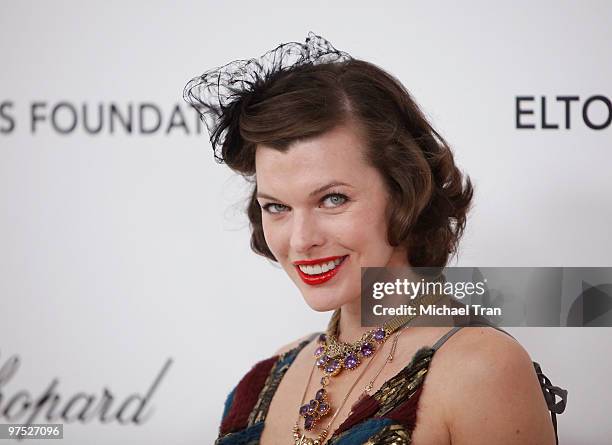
(333, 356)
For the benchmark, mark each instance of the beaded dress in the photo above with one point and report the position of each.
(387, 416)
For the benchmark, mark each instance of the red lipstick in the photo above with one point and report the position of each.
(321, 277)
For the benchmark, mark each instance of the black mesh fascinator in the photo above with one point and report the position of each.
(221, 94)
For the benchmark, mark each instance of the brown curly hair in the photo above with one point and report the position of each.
(429, 195)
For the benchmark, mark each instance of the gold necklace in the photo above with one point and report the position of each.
(332, 356)
(334, 347)
(301, 439)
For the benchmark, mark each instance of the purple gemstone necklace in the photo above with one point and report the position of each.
(332, 356)
(301, 439)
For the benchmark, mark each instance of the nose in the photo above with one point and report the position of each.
(306, 233)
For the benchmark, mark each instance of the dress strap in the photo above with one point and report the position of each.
(454, 330)
(445, 337)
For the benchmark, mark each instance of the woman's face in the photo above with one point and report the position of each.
(323, 213)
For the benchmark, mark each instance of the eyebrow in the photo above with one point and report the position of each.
(311, 194)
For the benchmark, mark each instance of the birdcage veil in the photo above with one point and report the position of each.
(220, 93)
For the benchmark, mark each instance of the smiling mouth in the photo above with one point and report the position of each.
(319, 273)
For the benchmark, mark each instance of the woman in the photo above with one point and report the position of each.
(349, 174)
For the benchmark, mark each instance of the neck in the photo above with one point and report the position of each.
(349, 327)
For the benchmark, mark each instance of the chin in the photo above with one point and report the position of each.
(321, 305)
(325, 301)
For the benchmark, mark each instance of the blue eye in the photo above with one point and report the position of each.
(274, 208)
(335, 199)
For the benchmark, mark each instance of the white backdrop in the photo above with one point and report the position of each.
(120, 250)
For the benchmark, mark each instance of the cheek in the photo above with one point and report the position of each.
(376, 222)
(373, 219)
(273, 235)
(362, 231)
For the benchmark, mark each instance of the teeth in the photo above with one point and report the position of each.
(320, 268)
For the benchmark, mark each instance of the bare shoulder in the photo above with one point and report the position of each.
(293, 344)
(486, 352)
(495, 396)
